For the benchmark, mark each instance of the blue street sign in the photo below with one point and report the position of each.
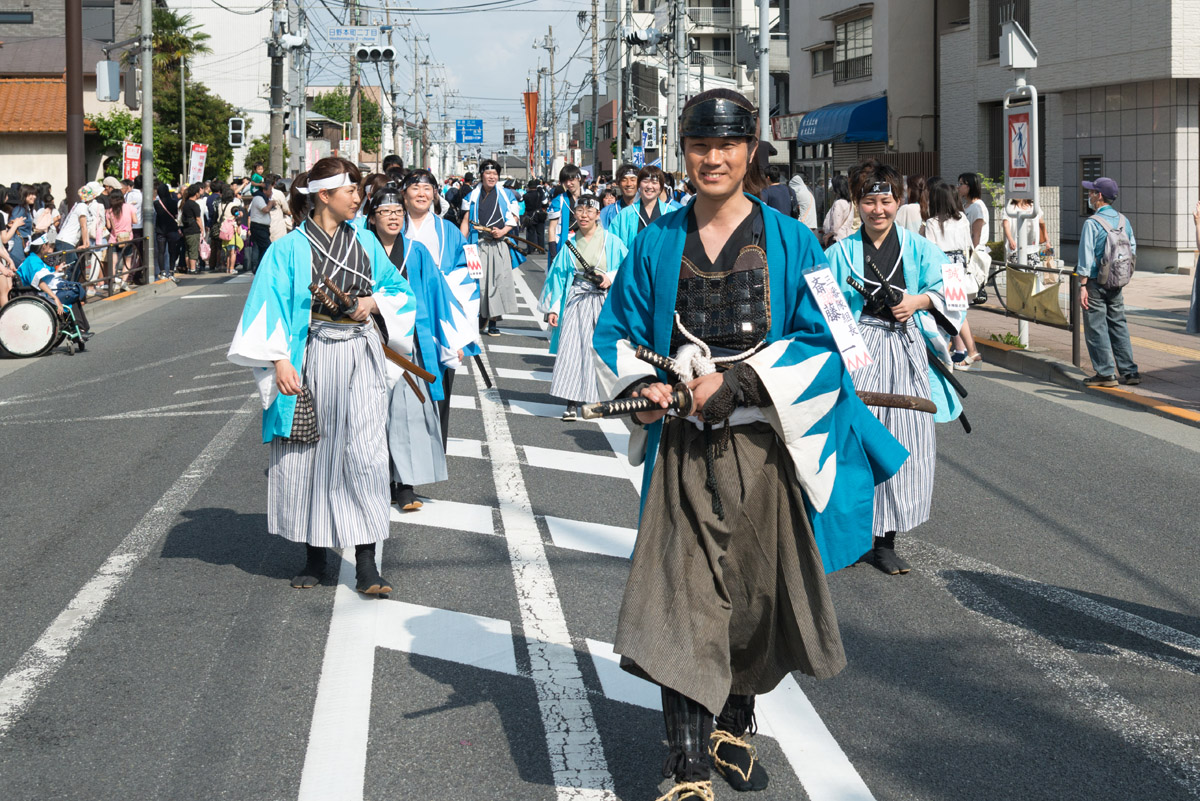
(639, 157)
(468, 132)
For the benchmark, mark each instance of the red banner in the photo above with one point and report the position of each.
(531, 115)
(196, 165)
(131, 160)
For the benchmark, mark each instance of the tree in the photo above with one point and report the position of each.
(115, 128)
(336, 106)
(259, 152)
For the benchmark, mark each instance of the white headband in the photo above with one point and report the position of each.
(332, 182)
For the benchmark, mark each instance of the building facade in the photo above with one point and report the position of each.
(1120, 97)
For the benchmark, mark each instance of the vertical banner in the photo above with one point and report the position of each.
(131, 160)
(531, 114)
(196, 163)
(1020, 141)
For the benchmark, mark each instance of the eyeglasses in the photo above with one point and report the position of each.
(389, 213)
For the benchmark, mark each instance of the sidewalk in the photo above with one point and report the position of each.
(1169, 360)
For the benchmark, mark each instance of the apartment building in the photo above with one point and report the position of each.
(1119, 96)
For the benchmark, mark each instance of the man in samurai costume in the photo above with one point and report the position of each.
(749, 501)
(904, 337)
(626, 186)
(576, 285)
(445, 244)
(560, 216)
(320, 369)
(494, 209)
(648, 207)
(415, 440)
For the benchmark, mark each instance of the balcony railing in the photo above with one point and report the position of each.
(852, 69)
(714, 62)
(711, 17)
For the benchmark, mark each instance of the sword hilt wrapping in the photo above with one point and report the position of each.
(681, 403)
(655, 360)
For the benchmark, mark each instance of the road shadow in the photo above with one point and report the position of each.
(225, 537)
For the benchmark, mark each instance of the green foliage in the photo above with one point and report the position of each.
(1008, 339)
(993, 188)
(336, 106)
(259, 152)
(176, 37)
(207, 122)
(115, 127)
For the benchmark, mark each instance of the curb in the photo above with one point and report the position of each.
(1063, 374)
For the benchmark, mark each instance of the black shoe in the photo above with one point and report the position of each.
(314, 568)
(1132, 379)
(493, 330)
(732, 756)
(1101, 381)
(890, 562)
(404, 497)
(366, 574)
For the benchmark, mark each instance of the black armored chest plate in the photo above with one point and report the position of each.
(726, 309)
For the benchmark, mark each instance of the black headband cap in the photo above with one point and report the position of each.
(588, 200)
(717, 117)
(419, 176)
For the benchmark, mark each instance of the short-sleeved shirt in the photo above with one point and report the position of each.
(978, 210)
(69, 233)
(562, 209)
(191, 217)
(258, 210)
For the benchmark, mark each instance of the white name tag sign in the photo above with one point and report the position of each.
(841, 321)
(474, 263)
(954, 287)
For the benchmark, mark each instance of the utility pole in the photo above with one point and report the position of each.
(619, 109)
(595, 90)
(298, 135)
(275, 52)
(76, 172)
(355, 128)
(183, 142)
(147, 56)
(682, 72)
(764, 69)
(425, 122)
(548, 45)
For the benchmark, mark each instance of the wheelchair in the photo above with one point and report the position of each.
(31, 326)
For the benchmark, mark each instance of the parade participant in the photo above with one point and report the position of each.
(320, 371)
(418, 453)
(649, 207)
(902, 337)
(445, 244)
(576, 285)
(35, 272)
(626, 181)
(495, 209)
(765, 486)
(561, 216)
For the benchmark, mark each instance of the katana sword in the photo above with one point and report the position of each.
(487, 379)
(483, 229)
(681, 403)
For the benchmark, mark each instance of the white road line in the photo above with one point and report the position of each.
(517, 350)
(618, 439)
(37, 666)
(219, 373)
(201, 297)
(244, 278)
(536, 333)
(618, 684)
(244, 382)
(449, 514)
(529, 318)
(335, 762)
(462, 401)
(573, 461)
(1174, 752)
(577, 759)
(530, 299)
(481, 642)
(581, 535)
(466, 448)
(524, 375)
(538, 409)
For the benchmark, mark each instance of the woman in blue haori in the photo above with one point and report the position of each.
(633, 219)
(414, 427)
(572, 298)
(327, 484)
(445, 244)
(902, 339)
(493, 208)
(765, 486)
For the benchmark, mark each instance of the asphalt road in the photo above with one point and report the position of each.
(1046, 645)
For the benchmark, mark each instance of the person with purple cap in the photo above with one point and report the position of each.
(1104, 328)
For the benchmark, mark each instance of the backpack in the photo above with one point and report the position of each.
(228, 226)
(1119, 260)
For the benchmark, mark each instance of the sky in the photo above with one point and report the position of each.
(486, 55)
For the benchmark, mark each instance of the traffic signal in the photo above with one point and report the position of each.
(631, 130)
(648, 39)
(375, 53)
(237, 131)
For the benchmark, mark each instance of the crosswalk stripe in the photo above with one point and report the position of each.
(247, 380)
(482, 642)
(524, 375)
(538, 409)
(462, 402)
(518, 350)
(449, 514)
(468, 448)
(573, 462)
(581, 535)
(619, 685)
(525, 332)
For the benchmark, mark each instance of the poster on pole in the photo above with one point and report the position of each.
(196, 163)
(131, 160)
(1019, 149)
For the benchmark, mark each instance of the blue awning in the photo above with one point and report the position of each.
(860, 121)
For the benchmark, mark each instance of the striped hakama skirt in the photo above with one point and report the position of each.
(334, 493)
(901, 366)
(415, 434)
(497, 292)
(574, 368)
(714, 607)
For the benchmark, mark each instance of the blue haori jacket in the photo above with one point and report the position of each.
(452, 260)
(625, 224)
(839, 449)
(507, 204)
(561, 275)
(923, 262)
(278, 312)
(437, 311)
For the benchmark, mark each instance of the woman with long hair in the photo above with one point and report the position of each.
(916, 210)
(320, 369)
(948, 227)
(901, 322)
(744, 511)
(970, 192)
(839, 220)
